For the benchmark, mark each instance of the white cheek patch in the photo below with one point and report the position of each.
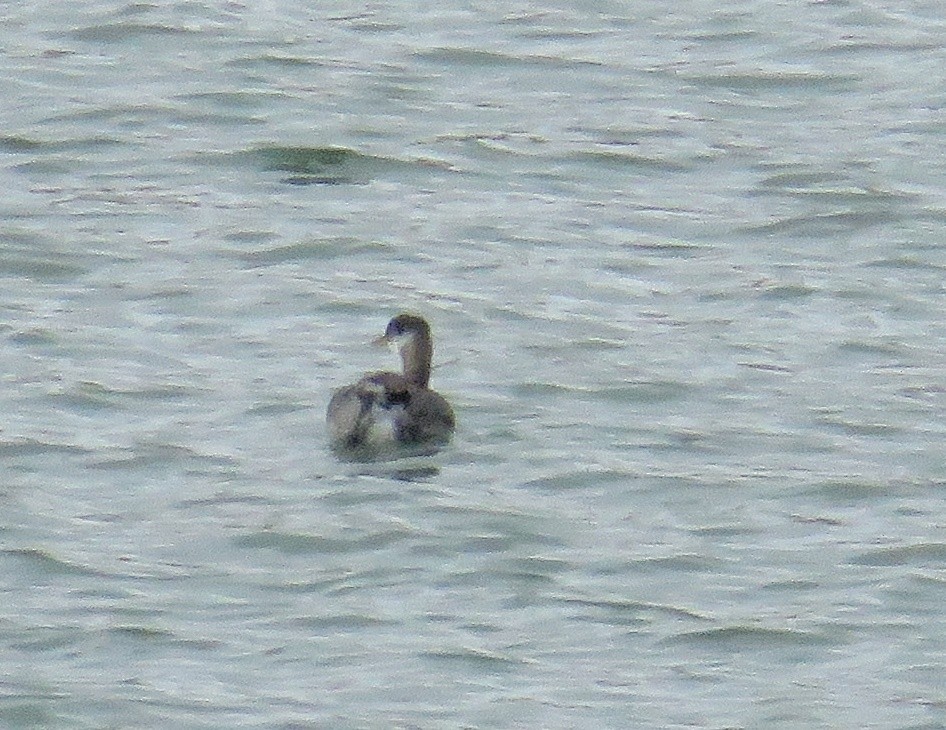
(397, 342)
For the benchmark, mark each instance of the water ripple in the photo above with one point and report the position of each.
(329, 165)
(121, 32)
(43, 563)
(301, 543)
(924, 554)
(751, 639)
(618, 612)
(470, 659)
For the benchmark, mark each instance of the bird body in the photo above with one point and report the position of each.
(385, 409)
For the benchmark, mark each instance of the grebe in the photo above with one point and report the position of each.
(385, 408)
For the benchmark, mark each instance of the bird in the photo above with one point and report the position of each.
(386, 409)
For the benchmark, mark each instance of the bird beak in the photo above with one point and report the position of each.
(382, 341)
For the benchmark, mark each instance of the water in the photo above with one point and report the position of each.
(685, 272)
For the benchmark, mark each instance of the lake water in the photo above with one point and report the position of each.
(685, 268)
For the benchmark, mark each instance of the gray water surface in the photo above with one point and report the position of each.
(685, 269)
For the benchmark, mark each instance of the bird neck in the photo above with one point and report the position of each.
(416, 354)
